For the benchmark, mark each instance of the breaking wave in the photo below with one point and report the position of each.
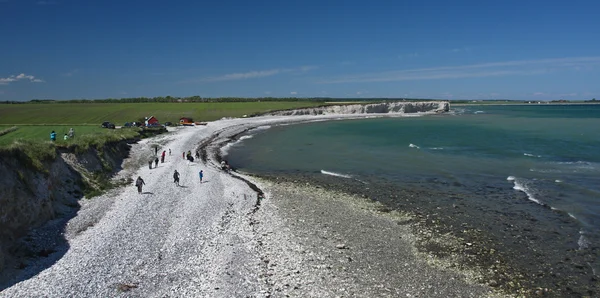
(225, 149)
(262, 127)
(335, 174)
(523, 186)
(414, 146)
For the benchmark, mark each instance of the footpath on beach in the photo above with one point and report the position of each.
(217, 238)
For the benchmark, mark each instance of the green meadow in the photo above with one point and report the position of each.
(119, 113)
(34, 122)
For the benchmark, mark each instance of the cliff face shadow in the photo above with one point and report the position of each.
(37, 251)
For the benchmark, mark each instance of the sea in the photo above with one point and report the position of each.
(527, 176)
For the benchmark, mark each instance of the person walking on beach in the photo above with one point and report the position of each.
(201, 174)
(150, 164)
(183, 154)
(156, 150)
(162, 157)
(197, 154)
(156, 162)
(176, 178)
(169, 151)
(53, 136)
(139, 183)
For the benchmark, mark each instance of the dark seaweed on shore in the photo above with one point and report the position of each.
(516, 250)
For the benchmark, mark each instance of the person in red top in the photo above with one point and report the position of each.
(162, 157)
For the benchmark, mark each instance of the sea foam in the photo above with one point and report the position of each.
(263, 127)
(225, 149)
(524, 188)
(335, 174)
(583, 242)
(414, 146)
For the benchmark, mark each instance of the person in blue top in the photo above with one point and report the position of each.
(201, 174)
(53, 136)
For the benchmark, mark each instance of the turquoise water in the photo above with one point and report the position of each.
(526, 175)
(548, 154)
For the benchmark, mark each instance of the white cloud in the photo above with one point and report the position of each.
(267, 92)
(19, 77)
(559, 95)
(255, 74)
(242, 76)
(567, 94)
(71, 73)
(506, 68)
(293, 93)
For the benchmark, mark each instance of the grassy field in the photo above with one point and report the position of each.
(34, 122)
(119, 113)
(42, 132)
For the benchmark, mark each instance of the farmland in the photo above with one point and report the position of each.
(36, 121)
(119, 113)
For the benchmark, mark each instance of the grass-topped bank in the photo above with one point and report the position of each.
(36, 151)
(95, 113)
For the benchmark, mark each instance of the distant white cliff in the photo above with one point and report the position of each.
(374, 108)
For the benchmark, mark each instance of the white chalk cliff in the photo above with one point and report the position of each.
(374, 108)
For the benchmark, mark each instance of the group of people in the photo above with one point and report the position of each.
(69, 135)
(225, 166)
(139, 182)
(189, 156)
(155, 159)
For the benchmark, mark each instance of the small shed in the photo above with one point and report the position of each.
(186, 120)
(150, 121)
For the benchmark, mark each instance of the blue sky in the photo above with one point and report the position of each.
(67, 49)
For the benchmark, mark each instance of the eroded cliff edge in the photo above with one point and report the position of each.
(31, 196)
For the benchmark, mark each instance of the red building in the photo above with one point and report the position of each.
(186, 121)
(152, 121)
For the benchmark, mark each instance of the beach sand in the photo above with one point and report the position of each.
(233, 235)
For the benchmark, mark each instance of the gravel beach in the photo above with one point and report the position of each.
(222, 238)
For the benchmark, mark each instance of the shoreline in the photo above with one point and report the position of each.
(467, 248)
(242, 235)
(354, 247)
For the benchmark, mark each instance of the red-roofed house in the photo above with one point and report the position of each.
(152, 121)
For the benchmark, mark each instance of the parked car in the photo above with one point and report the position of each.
(110, 126)
(168, 123)
(105, 124)
(127, 124)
